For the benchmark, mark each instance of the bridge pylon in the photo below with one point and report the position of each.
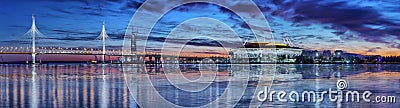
(103, 36)
(32, 34)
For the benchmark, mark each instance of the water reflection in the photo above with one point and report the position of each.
(103, 85)
(63, 85)
(148, 92)
(321, 77)
(34, 95)
(287, 77)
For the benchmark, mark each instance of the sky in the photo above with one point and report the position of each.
(367, 27)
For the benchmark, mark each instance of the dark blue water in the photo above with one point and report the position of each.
(96, 85)
(63, 85)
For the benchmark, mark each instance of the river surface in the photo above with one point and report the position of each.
(116, 85)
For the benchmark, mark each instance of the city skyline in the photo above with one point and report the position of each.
(367, 28)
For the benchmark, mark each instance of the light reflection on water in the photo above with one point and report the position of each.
(84, 85)
(63, 85)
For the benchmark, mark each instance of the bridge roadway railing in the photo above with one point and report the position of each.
(174, 59)
(84, 51)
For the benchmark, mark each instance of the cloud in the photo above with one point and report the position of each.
(395, 45)
(335, 41)
(131, 4)
(204, 42)
(338, 33)
(75, 35)
(70, 38)
(191, 6)
(327, 22)
(374, 49)
(75, 32)
(91, 8)
(193, 42)
(116, 36)
(86, 2)
(116, 1)
(58, 9)
(207, 52)
(340, 15)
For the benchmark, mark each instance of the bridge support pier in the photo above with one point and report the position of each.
(158, 59)
(33, 59)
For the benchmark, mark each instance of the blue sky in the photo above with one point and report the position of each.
(358, 26)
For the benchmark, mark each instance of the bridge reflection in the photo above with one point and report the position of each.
(63, 85)
(103, 85)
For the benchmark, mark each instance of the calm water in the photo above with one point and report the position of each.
(96, 85)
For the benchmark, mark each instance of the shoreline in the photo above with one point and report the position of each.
(81, 62)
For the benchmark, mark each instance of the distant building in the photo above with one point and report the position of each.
(326, 56)
(353, 58)
(391, 59)
(315, 54)
(326, 53)
(373, 59)
(264, 52)
(338, 53)
(307, 53)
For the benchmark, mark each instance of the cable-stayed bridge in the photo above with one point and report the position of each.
(34, 43)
